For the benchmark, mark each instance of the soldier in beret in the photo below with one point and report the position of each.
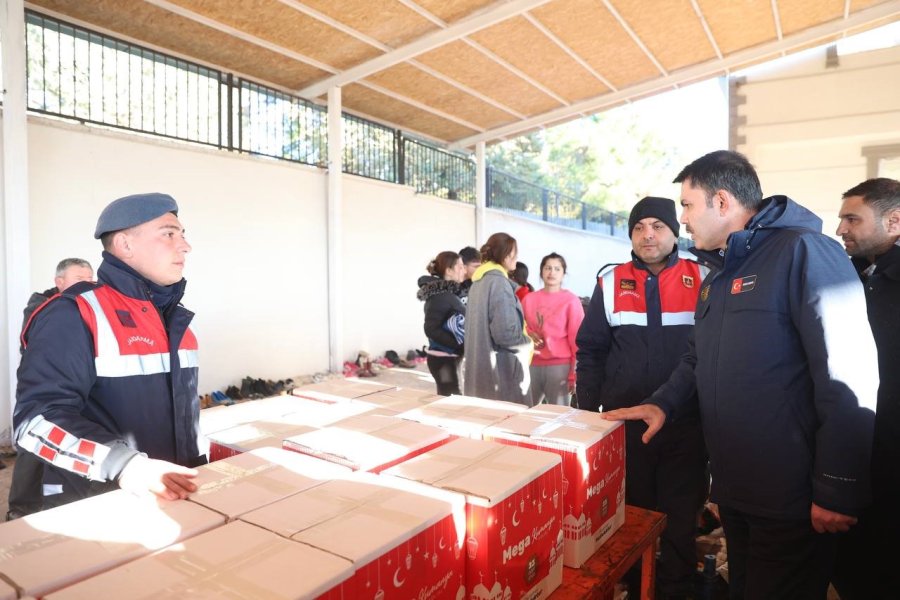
(107, 386)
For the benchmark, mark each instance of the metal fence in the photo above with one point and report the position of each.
(75, 73)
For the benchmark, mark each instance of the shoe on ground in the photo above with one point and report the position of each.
(411, 356)
(392, 356)
(407, 364)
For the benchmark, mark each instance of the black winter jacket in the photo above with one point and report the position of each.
(882, 290)
(96, 389)
(442, 299)
(784, 364)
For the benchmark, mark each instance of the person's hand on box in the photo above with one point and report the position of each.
(164, 479)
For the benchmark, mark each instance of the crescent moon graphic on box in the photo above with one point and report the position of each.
(515, 519)
(441, 543)
(544, 493)
(398, 582)
(594, 464)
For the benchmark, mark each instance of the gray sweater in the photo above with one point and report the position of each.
(497, 349)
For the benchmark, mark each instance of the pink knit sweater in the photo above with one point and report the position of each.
(555, 317)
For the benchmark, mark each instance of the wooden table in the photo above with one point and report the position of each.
(636, 539)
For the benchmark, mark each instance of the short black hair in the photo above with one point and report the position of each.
(881, 193)
(725, 170)
(469, 254)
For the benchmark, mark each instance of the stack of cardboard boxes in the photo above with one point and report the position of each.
(393, 494)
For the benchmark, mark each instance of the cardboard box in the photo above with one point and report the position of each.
(404, 539)
(256, 434)
(514, 536)
(369, 442)
(321, 414)
(402, 399)
(58, 547)
(245, 482)
(339, 390)
(237, 560)
(593, 457)
(463, 416)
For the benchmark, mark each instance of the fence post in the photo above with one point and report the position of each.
(584, 216)
(612, 224)
(400, 157)
(544, 201)
(229, 101)
(488, 183)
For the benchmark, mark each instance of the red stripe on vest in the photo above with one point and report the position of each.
(675, 294)
(149, 334)
(80, 467)
(87, 315)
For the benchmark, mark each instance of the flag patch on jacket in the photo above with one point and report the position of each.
(687, 280)
(743, 284)
(627, 284)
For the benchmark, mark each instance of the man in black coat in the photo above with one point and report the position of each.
(870, 229)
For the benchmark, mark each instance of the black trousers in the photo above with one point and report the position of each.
(866, 567)
(445, 370)
(26, 488)
(775, 559)
(670, 475)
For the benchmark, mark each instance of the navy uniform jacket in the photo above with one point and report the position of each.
(105, 376)
(785, 369)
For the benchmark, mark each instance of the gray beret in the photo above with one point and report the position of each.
(131, 211)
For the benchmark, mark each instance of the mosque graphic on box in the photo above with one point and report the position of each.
(495, 593)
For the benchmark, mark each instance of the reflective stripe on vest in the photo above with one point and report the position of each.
(110, 362)
(613, 287)
(62, 449)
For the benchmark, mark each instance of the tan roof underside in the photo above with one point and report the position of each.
(530, 64)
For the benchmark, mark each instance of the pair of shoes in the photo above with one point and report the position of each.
(205, 401)
(407, 364)
(366, 370)
(412, 355)
(423, 353)
(393, 357)
(362, 358)
(220, 398)
(233, 392)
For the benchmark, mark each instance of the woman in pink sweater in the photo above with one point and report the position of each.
(553, 316)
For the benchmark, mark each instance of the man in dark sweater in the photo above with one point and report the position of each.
(25, 493)
(870, 229)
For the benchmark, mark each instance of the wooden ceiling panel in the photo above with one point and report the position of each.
(472, 68)
(670, 30)
(413, 83)
(800, 14)
(856, 5)
(166, 30)
(739, 24)
(387, 21)
(453, 11)
(275, 22)
(384, 108)
(520, 43)
(604, 44)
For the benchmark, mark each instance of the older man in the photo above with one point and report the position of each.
(107, 387)
(870, 229)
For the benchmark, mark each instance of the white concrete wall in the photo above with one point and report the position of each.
(806, 125)
(257, 276)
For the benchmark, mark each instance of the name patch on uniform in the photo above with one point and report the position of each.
(125, 318)
(627, 284)
(704, 294)
(687, 280)
(743, 284)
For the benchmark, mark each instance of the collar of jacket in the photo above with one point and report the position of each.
(487, 267)
(888, 264)
(439, 286)
(126, 280)
(671, 260)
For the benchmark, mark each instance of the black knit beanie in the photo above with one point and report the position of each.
(658, 208)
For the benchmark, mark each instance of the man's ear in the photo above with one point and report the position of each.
(892, 222)
(121, 245)
(723, 201)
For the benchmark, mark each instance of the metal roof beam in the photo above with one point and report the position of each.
(458, 30)
(692, 74)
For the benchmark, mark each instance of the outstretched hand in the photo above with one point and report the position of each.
(164, 479)
(650, 414)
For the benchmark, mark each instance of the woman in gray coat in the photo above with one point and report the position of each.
(498, 351)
